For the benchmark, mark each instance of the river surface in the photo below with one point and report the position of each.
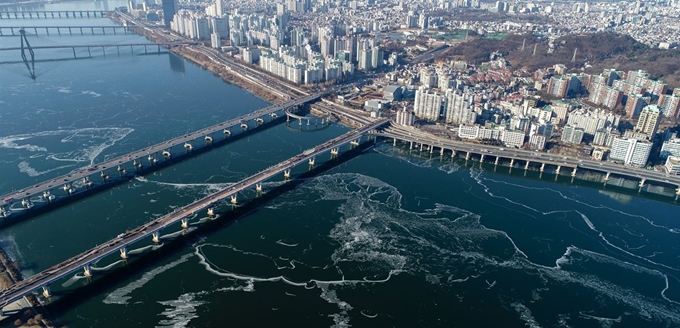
(390, 238)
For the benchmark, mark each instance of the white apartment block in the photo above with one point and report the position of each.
(630, 151)
(428, 104)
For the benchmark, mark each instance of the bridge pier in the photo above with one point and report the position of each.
(467, 156)
(557, 172)
(123, 253)
(68, 188)
(188, 147)
(642, 183)
(233, 200)
(5, 212)
(48, 196)
(211, 212)
(441, 152)
(411, 145)
(677, 193)
(542, 167)
(166, 154)
(185, 224)
(87, 271)
(606, 177)
(156, 237)
(526, 166)
(227, 133)
(87, 182)
(421, 147)
(573, 172)
(394, 142)
(495, 163)
(334, 152)
(311, 162)
(258, 189)
(105, 176)
(286, 174)
(46, 292)
(481, 158)
(208, 140)
(152, 159)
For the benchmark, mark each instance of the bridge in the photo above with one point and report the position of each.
(104, 45)
(427, 142)
(70, 30)
(82, 179)
(84, 260)
(52, 14)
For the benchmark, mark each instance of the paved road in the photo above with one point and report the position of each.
(84, 259)
(141, 154)
(533, 156)
(166, 45)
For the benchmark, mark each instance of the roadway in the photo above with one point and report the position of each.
(418, 136)
(167, 45)
(84, 259)
(59, 29)
(143, 153)
(253, 75)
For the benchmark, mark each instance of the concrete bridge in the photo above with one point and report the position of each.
(52, 14)
(128, 165)
(119, 244)
(68, 30)
(118, 47)
(546, 162)
(319, 122)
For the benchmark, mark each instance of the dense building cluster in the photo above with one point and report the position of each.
(614, 115)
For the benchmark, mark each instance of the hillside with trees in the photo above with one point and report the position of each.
(595, 52)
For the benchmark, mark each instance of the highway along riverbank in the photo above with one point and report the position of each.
(227, 75)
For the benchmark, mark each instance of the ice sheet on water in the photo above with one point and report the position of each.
(340, 319)
(85, 145)
(180, 311)
(121, 295)
(525, 315)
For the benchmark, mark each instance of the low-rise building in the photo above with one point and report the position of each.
(670, 148)
(672, 165)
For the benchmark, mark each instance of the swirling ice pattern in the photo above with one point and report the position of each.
(446, 245)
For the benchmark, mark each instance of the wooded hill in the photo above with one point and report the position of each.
(600, 50)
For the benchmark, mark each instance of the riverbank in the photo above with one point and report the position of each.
(205, 62)
(35, 316)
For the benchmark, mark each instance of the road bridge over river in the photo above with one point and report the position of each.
(555, 162)
(118, 245)
(134, 159)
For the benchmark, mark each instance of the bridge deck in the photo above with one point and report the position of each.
(113, 163)
(532, 156)
(77, 262)
(174, 44)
